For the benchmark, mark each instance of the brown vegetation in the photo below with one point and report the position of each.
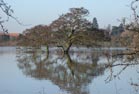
(69, 29)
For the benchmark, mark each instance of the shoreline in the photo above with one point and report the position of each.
(8, 43)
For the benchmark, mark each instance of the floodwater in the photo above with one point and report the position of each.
(82, 71)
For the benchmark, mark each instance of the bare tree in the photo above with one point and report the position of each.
(134, 9)
(68, 24)
(73, 27)
(7, 11)
(35, 36)
(134, 25)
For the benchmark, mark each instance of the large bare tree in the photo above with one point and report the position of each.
(72, 28)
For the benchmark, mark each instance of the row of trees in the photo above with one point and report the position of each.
(69, 29)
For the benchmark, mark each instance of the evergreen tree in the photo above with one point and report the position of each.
(95, 23)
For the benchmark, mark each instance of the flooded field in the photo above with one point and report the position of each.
(82, 71)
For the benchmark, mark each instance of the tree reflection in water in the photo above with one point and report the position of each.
(72, 75)
(73, 72)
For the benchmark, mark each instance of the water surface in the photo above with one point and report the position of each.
(83, 71)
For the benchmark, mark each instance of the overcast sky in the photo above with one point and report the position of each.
(35, 12)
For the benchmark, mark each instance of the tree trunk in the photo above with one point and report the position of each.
(47, 50)
(66, 48)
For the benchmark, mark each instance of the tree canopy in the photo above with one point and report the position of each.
(71, 28)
